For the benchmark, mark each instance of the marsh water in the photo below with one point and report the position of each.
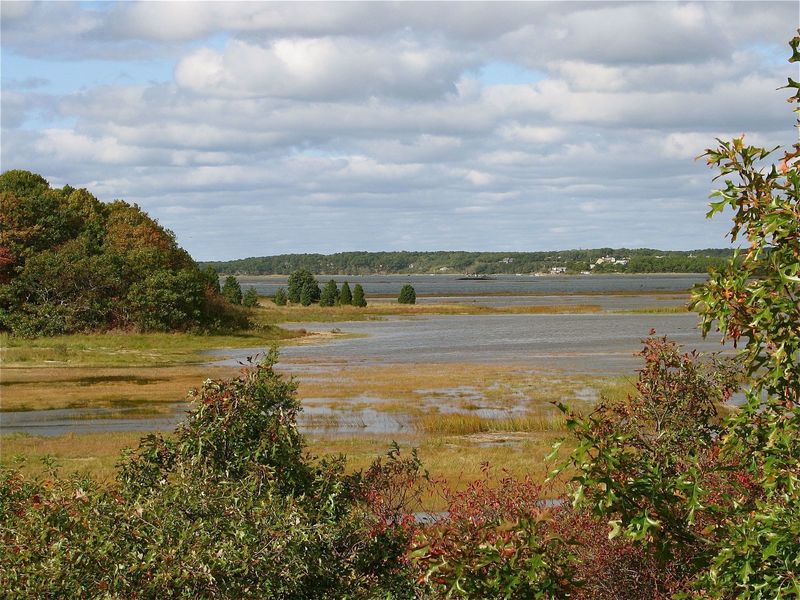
(578, 343)
(601, 343)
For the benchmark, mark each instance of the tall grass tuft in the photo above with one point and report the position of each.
(465, 424)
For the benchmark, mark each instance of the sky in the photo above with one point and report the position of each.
(262, 128)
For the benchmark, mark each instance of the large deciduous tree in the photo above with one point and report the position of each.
(69, 263)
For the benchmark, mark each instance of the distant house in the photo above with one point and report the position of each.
(610, 260)
(557, 270)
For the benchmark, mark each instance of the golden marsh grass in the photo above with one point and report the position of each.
(452, 460)
(464, 424)
(38, 388)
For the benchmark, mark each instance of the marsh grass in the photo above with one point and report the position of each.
(269, 313)
(96, 454)
(465, 424)
(417, 388)
(451, 460)
(649, 310)
(454, 461)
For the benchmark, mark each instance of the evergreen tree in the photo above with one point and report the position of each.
(250, 297)
(345, 297)
(330, 294)
(358, 296)
(407, 295)
(280, 297)
(232, 291)
(212, 279)
(307, 294)
(297, 280)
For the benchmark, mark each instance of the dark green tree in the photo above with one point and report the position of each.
(250, 297)
(167, 301)
(358, 296)
(345, 296)
(307, 293)
(231, 290)
(295, 284)
(407, 295)
(330, 294)
(212, 279)
(280, 297)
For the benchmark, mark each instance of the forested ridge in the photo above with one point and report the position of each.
(641, 260)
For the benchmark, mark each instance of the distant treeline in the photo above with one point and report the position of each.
(611, 260)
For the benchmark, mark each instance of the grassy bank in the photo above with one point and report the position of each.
(269, 313)
(125, 349)
(43, 388)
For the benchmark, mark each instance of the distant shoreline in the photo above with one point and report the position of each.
(639, 261)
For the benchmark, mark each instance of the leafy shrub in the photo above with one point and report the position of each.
(167, 301)
(494, 542)
(758, 300)
(645, 464)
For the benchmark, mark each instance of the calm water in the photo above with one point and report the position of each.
(577, 343)
(444, 285)
(87, 420)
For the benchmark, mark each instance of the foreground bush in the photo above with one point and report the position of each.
(495, 542)
(230, 506)
(719, 500)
